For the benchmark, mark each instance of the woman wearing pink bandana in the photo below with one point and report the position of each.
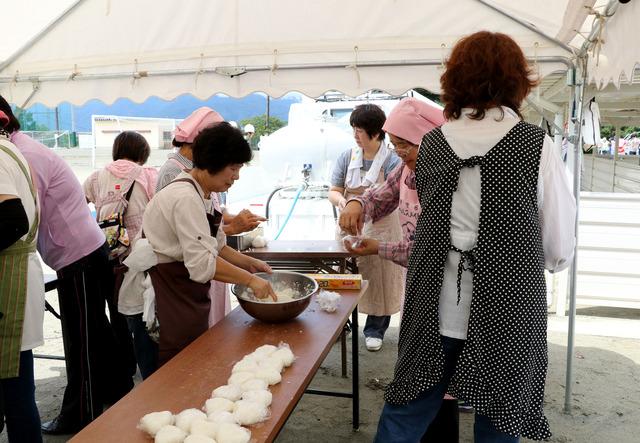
(126, 185)
(406, 124)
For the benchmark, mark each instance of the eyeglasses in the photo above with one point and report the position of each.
(401, 147)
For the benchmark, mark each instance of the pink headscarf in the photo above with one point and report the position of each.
(412, 118)
(191, 126)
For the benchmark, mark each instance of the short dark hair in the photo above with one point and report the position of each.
(131, 146)
(485, 70)
(219, 146)
(371, 118)
(14, 124)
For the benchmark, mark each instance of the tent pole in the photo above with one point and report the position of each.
(529, 26)
(577, 143)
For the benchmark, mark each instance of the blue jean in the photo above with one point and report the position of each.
(376, 326)
(146, 350)
(20, 410)
(407, 423)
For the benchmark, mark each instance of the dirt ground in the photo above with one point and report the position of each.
(605, 402)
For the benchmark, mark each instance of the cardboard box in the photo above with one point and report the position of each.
(337, 281)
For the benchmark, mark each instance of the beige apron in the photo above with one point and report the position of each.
(386, 281)
(14, 267)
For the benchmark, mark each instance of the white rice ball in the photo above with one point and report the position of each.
(204, 427)
(255, 384)
(272, 363)
(271, 376)
(230, 392)
(152, 422)
(193, 438)
(262, 397)
(232, 433)
(222, 417)
(237, 378)
(249, 413)
(245, 365)
(285, 355)
(170, 434)
(218, 404)
(265, 350)
(186, 417)
(259, 242)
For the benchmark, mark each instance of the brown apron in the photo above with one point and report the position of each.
(182, 305)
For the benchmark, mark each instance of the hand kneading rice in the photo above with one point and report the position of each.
(271, 376)
(198, 439)
(232, 433)
(186, 417)
(152, 422)
(255, 384)
(222, 417)
(218, 404)
(285, 355)
(204, 427)
(170, 434)
(230, 392)
(237, 378)
(249, 413)
(262, 397)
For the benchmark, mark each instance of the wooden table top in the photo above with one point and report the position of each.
(188, 379)
(299, 249)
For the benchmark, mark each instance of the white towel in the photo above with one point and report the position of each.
(130, 298)
(353, 179)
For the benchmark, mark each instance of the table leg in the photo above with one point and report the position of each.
(343, 349)
(355, 376)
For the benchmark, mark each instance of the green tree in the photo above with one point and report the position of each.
(27, 123)
(260, 123)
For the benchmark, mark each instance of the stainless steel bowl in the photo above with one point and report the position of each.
(277, 312)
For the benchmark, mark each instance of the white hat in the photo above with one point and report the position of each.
(249, 128)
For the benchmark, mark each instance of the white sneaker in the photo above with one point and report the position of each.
(373, 344)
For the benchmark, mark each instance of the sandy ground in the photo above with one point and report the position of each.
(605, 402)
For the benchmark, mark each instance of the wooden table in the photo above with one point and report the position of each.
(305, 255)
(187, 380)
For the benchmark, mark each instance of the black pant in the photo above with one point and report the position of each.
(445, 427)
(97, 360)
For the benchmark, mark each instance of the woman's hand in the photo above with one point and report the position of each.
(367, 246)
(351, 219)
(254, 265)
(261, 288)
(243, 222)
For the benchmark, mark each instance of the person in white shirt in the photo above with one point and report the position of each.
(496, 211)
(21, 292)
(189, 243)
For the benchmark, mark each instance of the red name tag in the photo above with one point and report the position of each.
(117, 187)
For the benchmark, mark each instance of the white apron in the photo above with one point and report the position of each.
(386, 279)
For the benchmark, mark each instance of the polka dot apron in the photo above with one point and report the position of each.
(502, 368)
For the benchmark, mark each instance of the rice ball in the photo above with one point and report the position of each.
(262, 397)
(152, 422)
(204, 427)
(265, 350)
(285, 355)
(230, 392)
(232, 433)
(186, 417)
(222, 417)
(170, 434)
(272, 363)
(218, 404)
(249, 413)
(237, 378)
(271, 376)
(245, 365)
(193, 438)
(255, 384)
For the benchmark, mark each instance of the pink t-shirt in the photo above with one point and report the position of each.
(67, 231)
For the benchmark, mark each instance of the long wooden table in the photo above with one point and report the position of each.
(187, 380)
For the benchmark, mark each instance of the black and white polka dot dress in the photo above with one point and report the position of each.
(503, 365)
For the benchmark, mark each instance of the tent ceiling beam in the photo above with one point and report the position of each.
(232, 71)
(529, 26)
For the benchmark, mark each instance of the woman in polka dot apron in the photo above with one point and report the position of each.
(496, 211)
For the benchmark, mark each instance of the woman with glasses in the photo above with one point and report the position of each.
(365, 166)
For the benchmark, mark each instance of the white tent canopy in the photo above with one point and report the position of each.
(107, 49)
